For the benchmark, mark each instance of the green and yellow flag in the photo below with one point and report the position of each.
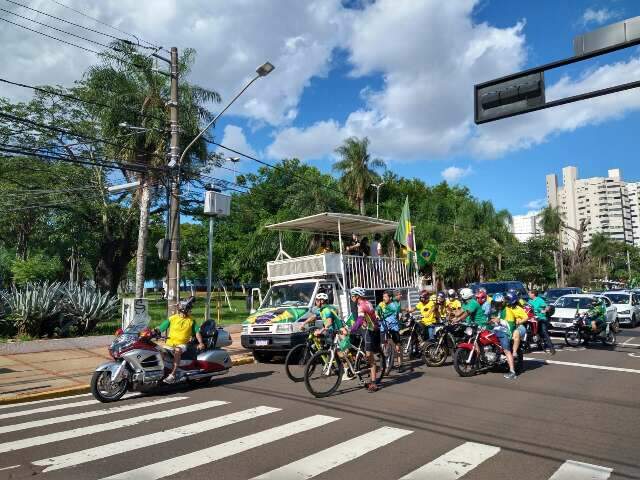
(404, 232)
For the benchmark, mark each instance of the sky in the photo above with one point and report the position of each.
(399, 72)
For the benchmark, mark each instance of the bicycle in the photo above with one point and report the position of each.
(299, 355)
(325, 370)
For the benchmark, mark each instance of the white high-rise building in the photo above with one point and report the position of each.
(603, 203)
(526, 226)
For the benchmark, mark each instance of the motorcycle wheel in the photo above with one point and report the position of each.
(408, 348)
(435, 355)
(572, 338)
(295, 362)
(389, 357)
(610, 339)
(321, 379)
(104, 390)
(460, 364)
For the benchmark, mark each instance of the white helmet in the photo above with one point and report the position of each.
(322, 296)
(451, 292)
(358, 292)
(466, 293)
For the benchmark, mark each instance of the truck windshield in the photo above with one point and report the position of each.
(290, 295)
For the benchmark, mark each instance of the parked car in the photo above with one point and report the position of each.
(567, 306)
(627, 304)
(500, 287)
(554, 294)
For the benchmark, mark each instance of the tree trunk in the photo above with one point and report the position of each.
(143, 233)
(561, 265)
(362, 208)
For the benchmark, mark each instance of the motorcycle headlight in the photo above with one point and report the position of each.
(284, 328)
(468, 331)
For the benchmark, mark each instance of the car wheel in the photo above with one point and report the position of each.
(634, 321)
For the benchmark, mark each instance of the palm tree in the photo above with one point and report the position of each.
(601, 250)
(357, 169)
(552, 225)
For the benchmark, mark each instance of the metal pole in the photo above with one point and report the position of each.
(378, 201)
(207, 315)
(629, 265)
(173, 282)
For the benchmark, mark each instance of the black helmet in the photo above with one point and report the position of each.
(185, 306)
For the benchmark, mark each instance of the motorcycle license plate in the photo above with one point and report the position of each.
(560, 325)
(262, 343)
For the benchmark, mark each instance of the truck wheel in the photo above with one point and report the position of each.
(262, 357)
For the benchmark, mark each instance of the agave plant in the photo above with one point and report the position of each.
(85, 307)
(34, 308)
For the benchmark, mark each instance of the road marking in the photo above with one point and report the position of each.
(103, 427)
(335, 455)
(115, 448)
(455, 463)
(634, 355)
(572, 470)
(624, 343)
(582, 365)
(191, 460)
(47, 409)
(9, 468)
(81, 416)
(28, 404)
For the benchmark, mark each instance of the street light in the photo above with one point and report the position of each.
(377, 187)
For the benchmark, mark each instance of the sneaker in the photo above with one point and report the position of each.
(346, 375)
(170, 378)
(372, 387)
(510, 376)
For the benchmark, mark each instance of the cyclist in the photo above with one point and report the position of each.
(367, 320)
(471, 309)
(331, 321)
(502, 330)
(452, 303)
(540, 310)
(388, 312)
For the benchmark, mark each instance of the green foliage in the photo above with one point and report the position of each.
(34, 309)
(530, 262)
(36, 268)
(84, 308)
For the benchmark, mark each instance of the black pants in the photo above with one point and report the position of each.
(543, 327)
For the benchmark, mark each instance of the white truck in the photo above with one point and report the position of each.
(278, 324)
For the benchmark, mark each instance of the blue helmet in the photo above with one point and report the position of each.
(498, 298)
(512, 298)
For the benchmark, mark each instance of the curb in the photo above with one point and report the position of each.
(80, 389)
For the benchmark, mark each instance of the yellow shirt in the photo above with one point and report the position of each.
(453, 305)
(428, 312)
(181, 329)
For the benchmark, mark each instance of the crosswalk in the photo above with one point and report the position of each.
(205, 418)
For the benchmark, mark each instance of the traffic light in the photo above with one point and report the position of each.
(164, 249)
(507, 98)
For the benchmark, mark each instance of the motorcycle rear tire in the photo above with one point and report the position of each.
(460, 364)
(435, 355)
(98, 395)
(573, 338)
(610, 339)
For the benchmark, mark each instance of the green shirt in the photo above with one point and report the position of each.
(475, 313)
(538, 305)
(330, 318)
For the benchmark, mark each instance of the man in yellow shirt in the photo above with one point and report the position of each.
(452, 304)
(181, 328)
(427, 308)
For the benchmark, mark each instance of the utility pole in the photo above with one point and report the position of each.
(377, 187)
(173, 282)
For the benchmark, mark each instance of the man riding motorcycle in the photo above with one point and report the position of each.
(471, 309)
(484, 301)
(427, 308)
(540, 309)
(597, 314)
(516, 317)
(181, 329)
(501, 329)
(452, 304)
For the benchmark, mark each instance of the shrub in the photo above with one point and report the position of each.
(33, 309)
(36, 268)
(85, 307)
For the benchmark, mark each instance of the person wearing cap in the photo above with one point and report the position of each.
(181, 329)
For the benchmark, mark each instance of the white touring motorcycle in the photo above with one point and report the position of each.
(140, 364)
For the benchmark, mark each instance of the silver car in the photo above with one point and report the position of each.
(628, 306)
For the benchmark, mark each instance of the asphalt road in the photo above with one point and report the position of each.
(556, 417)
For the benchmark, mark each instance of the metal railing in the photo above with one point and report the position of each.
(378, 272)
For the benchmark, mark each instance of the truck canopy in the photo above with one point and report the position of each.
(337, 223)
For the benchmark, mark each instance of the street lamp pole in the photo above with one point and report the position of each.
(377, 187)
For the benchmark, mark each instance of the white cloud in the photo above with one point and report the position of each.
(536, 204)
(598, 17)
(454, 174)
(317, 141)
(235, 138)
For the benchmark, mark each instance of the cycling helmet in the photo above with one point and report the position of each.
(466, 293)
(322, 296)
(498, 298)
(358, 292)
(451, 293)
(512, 298)
(481, 296)
(185, 306)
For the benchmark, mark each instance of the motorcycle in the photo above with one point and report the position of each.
(533, 339)
(581, 331)
(446, 337)
(411, 335)
(140, 364)
(483, 352)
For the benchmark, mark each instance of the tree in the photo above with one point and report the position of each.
(357, 169)
(552, 225)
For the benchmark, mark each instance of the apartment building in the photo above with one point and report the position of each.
(526, 226)
(604, 203)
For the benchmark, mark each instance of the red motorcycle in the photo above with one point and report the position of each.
(483, 352)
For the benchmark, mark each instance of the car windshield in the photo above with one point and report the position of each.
(574, 302)
(290, 295)
(492, 288)
(558, 292)
(618, 297)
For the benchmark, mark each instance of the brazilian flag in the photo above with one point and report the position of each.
(427, 256)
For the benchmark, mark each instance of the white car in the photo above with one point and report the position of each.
(567, 306)
(628, 306)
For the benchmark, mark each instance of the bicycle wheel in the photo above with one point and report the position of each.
(296, 360)
(388, 350)
(320, 378)
(362, 367)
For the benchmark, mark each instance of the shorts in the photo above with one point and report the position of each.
(392, 335)
(372, 341)
(521, 330)
(181, 346)
(504, 337)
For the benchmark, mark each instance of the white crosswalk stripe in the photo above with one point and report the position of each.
(103, 427)
(191, 460)
(52, 408)
(455, 463)
(81, 416)
(572, 470)
(335, 455)
(104, 451)
(46, 400)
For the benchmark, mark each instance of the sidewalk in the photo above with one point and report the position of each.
(51, 368)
